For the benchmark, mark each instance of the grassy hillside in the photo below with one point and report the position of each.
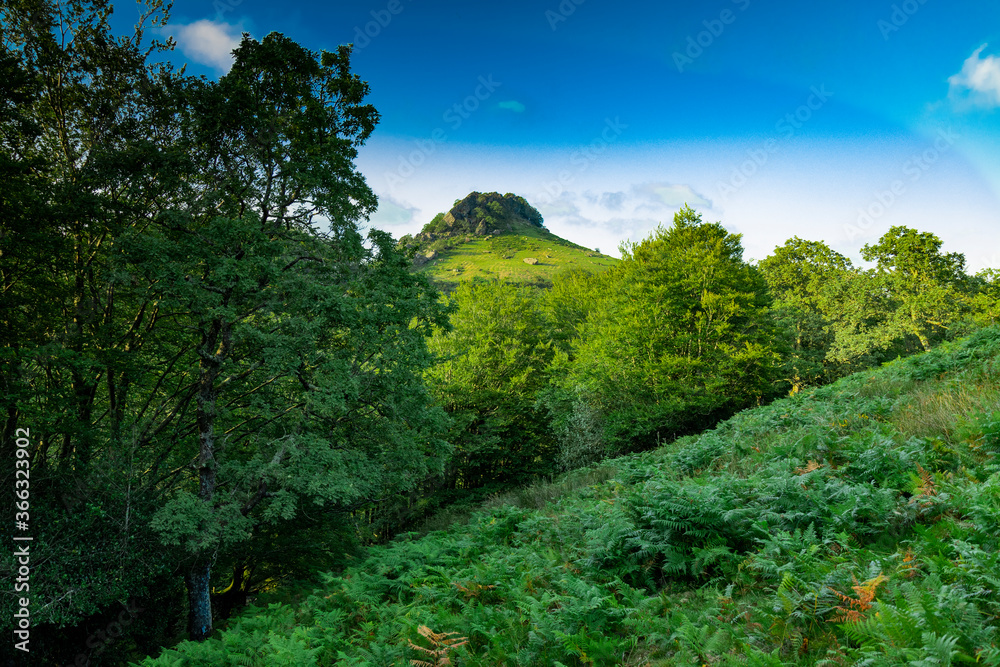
(502, 257)
(492, 236)
(857, 523)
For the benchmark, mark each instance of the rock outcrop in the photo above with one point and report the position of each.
(480, 215)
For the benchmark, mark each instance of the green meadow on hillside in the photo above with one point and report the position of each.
(857, 523)
(489, 236)
(502, 257)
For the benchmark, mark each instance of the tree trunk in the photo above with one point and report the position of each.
(921, 336)
(924, 341)
(199, 577)
(919, 332)
(198, 580)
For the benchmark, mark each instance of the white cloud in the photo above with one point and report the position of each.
(631, 213)
(650, 199)
(669, 195)
(393, 212)
(208, 42)
(564, 205)
(979, 81)
(613, 201)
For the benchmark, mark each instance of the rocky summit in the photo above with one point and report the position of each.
(493, 236)
(478, 215)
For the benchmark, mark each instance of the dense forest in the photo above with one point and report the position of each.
(223, 388)
(851, 524)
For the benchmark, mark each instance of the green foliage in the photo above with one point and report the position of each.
(984, 303)
(581, 434)
(78, 170)
(804, 277)
(924, 623)
(680, 335)
(221, 391)
(926, 285)
(568, 304)
(837, 319)
(789, 535)
(437, 224)
(492, 362)
(210, 363)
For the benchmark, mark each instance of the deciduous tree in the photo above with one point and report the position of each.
(682, 335)
(492, 363)
(926, 286)
(220, 347)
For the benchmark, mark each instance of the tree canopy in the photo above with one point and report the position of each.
(220, 349)
(682, 332)
(926, 284)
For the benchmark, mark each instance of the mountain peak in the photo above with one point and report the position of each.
(482, 214)
(494, 236)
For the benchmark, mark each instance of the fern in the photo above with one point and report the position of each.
(856, 607)
(441, 644)
(938, 651)
(706, 642)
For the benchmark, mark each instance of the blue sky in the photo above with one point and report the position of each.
(827, 121)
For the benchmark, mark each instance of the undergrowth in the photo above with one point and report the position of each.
(854, 524)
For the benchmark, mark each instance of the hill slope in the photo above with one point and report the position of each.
(857, 523)
(493, 236)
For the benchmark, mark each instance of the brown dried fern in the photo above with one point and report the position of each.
(441, 643)
(926, 486)
(474, 589)
(910, 566)
(809, 467)
(854, 611)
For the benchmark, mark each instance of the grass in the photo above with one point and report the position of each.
(492, 258)
(931, 412)
(857, 523)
